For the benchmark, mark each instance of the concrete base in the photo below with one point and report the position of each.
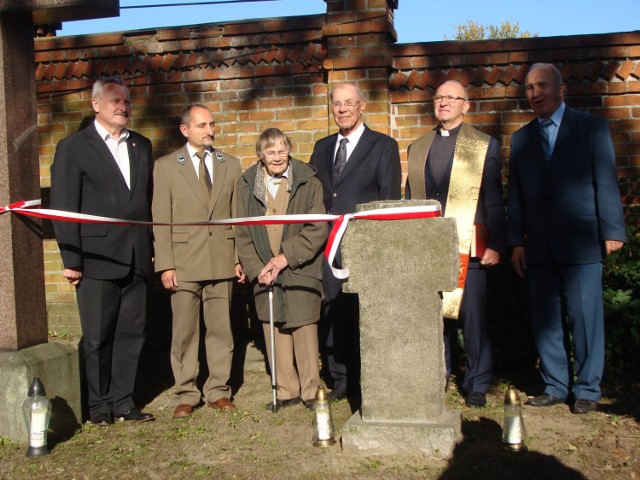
(58, 366)
(435, 439)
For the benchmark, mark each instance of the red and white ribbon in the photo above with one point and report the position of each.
(335, 236)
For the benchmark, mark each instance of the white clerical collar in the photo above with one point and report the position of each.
(447, 133)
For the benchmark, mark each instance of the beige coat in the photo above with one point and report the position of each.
(197, 253)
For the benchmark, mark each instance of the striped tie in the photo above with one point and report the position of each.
(341, 160)
(544, 136)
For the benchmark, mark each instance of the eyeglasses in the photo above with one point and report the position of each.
(272, 154)
(449, 98)
(349, 104)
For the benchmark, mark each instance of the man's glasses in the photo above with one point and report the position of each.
(348, 104)
(449, 98)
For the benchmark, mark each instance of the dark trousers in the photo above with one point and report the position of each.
(342, 338)
(475, 330)
(572, 293)
(112, 316)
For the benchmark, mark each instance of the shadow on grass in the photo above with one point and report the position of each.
(481, 455)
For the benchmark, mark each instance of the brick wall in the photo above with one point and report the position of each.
(602, 74)
(278, 73)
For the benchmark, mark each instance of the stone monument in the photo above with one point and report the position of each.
(398, 269)
(24, 351)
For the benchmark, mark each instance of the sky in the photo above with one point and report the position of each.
(415, 20)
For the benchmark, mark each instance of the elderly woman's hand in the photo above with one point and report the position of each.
(271, 270)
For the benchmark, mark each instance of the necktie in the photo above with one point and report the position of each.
(544, 136)
(341, 160)
(203, 174)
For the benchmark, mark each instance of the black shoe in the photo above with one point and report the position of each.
(101, 419)
(337, 394)
(309, 404)
(476, 399)
(135, 415)
(283, 403)
(544, 400)
(584, 406)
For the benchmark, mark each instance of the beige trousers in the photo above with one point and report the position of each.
(299, 344)
(215, 297)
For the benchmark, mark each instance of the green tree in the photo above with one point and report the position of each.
(472, 30)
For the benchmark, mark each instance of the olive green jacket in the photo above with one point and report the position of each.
(298, 289)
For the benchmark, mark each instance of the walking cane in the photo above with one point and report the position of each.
(274, 386)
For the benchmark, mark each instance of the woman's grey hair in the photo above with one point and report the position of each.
(269, 137)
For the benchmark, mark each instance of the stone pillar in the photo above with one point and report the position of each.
(398, 268)
(23, 320)
(24, 351)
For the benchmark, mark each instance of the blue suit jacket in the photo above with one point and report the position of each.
(570, 205)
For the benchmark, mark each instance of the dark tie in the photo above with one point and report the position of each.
(544, 136)
(341, 160)
(203, 174)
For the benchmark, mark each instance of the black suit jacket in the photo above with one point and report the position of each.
(373, 171)
(85, 178)
(569, 205)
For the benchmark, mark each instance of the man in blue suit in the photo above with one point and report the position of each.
(355, 165)
(564, 215)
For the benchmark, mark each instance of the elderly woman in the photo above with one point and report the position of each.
(287, 258)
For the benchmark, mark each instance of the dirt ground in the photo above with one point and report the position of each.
(254, 443)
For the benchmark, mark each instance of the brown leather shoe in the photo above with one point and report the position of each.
(183, 411)
(222, 404)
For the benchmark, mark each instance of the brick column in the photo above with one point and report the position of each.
(359, 35)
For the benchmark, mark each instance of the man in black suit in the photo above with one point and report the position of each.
(460, 167)
(355, 165)
(105, 170)
(564, 214)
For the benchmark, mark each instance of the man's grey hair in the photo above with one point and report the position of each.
(555, 73)
(465, 93)
(98, 86)
(348, 84)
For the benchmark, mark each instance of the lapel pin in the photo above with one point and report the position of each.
(133, 144)
(182, 159)
(220, 157)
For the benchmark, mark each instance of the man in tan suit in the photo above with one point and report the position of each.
(196, 184)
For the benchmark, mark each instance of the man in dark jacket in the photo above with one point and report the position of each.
(355, 165)
(106, 170)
